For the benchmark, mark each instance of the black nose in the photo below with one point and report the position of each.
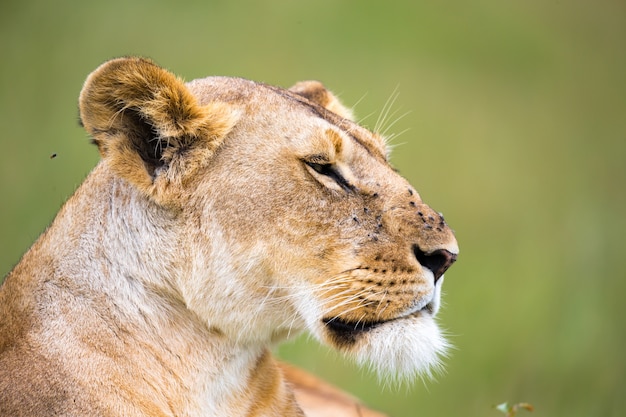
(437, 261)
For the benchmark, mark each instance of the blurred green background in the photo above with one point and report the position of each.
(514, 127)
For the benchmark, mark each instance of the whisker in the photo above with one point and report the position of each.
(350, 300)
(359, 101)
(396, 120)
(385, 292)
(362, 120)
(382, 118)
(392, 137)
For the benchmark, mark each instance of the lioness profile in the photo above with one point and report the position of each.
(224, 217)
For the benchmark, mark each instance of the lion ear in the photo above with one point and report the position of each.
(148, 125)
(316, 92)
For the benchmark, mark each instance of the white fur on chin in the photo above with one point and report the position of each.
(403, 349)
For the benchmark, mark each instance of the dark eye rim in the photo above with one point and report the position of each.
(329, 170)
(322, 168)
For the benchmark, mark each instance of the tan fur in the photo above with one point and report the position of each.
(225, 216)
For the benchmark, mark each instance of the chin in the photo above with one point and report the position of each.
(398, 350)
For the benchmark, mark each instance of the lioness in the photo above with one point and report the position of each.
(224, 217)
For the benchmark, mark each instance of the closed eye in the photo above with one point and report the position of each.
(324, 169)
(330, 171)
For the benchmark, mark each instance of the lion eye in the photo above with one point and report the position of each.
(330, 171)
(324, 169)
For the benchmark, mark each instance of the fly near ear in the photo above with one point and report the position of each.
(142, 118)
(315, 92)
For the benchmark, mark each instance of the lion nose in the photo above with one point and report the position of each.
(437, 261)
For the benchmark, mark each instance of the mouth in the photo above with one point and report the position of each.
(349, 330)
(339, 326)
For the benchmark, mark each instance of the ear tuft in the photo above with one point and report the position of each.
(315, 92)
(142, 117)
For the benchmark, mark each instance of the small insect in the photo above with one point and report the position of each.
(54, 155)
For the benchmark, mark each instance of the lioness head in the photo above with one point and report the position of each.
(288, 215)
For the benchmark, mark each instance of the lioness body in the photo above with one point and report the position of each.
(224, 216)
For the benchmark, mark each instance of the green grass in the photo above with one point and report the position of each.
(516, 130)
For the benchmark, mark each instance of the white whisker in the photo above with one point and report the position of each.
(382, 118)
(390, 125)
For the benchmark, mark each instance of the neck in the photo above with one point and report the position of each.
(140, 307)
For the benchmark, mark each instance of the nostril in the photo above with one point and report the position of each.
(437, 261)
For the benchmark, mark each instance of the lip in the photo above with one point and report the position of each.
(346, 328)
(420, 305)
(338, 325)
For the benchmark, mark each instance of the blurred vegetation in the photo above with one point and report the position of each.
(516, 130)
